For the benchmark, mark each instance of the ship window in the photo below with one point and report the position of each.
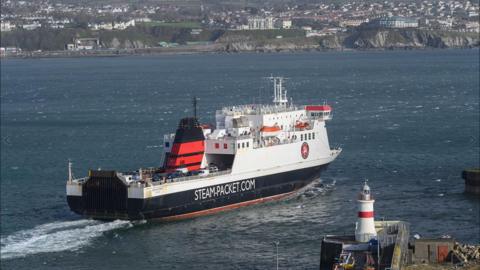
(238, 145)
(167, 144)
(301, 137)
(217, 145)
(225, 146)
(313, 136)
(309, 136)
(243, 145)
(247, 144)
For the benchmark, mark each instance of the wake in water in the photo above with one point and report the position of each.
(56, 236)
(316, 188)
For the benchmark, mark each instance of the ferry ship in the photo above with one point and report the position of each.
(255, 153)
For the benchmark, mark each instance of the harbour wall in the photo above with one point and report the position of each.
(472, 181)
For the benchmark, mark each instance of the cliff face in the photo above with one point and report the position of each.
(359, 39)
(239, 43)
(409, 38)
(144, 38)
(125, 44)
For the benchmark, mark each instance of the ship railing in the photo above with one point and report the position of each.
(188, 178)
(169, 137)
(265, 143)
(80, 180)
(256, 109)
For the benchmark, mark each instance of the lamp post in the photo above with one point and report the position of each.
(276, 245)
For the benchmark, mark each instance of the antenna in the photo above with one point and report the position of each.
(279, 92)
(276, 245)
(70, 174)
(195, 106)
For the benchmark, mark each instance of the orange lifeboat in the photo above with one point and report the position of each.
(301, 125)
(270, 129)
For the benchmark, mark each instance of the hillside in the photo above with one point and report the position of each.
(148, 38)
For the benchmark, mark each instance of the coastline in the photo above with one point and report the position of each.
(251, 41)
(203, 49)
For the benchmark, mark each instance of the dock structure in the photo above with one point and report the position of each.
(375, 244)
(472, 181)
(388, 251)
(431, 250)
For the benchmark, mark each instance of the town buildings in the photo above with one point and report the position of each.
(260, 23)
(447, 15)
(395, 22)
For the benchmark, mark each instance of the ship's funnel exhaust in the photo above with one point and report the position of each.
(188, 146)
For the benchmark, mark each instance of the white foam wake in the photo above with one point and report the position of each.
(316, 188)
(55, 237)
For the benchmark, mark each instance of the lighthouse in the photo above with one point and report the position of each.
(365, 226)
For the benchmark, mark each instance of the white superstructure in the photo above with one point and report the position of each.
(260, 137)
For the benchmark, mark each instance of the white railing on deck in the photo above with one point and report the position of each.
(187, 178)
(256, 109)
(80, 180)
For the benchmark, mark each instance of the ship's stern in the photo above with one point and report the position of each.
(102, 195)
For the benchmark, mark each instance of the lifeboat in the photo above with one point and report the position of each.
(270, 130)
(301, 125)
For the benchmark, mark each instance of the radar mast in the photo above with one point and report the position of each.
(279, 92)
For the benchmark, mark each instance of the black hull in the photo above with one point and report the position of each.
(186, 204)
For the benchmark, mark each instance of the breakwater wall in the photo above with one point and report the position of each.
(400, 250)
(472, 181)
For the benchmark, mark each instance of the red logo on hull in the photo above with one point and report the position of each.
(304, 150)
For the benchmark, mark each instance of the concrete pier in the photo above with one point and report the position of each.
(472, 181)
(393, 248)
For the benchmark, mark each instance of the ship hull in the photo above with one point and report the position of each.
(198, 202)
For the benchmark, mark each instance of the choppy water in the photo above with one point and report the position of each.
(407, 120)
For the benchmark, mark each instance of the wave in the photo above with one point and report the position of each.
(56, 237)
(316, 188)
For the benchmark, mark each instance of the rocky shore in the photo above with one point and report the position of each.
(276, 41)
(464, 257)
(467, 254)
(356, 40)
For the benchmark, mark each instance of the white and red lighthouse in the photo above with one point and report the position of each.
(365, 226)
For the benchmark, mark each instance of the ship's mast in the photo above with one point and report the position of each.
(70, 174)
(195, 106)
(279, 92)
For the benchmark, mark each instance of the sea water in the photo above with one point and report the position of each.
(408, 121)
